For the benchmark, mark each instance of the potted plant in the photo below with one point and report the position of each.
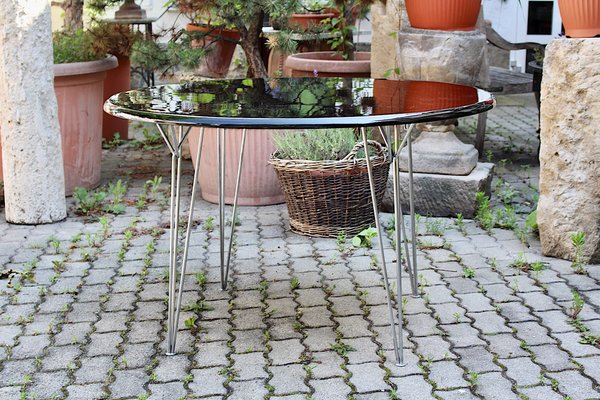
(79, 72)
(344, 60)
(324, 176)
(310, 17)
(444, 15)
(581, 18)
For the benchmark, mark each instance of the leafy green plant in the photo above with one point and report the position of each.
(340, 240)
(579, 261)
(341, 348)
(364, 238)
(87, 202)
(74, 46)
(577, 306)
(484, 214)
(314, 144)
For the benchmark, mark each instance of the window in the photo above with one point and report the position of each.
(539, 18)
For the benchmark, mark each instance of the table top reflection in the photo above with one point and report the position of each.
(299, 102)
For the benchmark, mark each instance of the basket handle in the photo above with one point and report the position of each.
(359, 145)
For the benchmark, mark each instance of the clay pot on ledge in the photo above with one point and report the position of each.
(309, 21)
(220, 44)
(443, 15)
(581, 18)
(329, 64)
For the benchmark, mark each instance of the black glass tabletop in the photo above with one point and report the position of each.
(299, 102)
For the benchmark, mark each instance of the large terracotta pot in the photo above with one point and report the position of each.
(117, 80)
(305, 22)
(443, 15)
(581, 18)
(259, 184)
(220, 44)
(329, 64)
(79, 89)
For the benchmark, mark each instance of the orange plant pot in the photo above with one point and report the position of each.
(305, 22)
(443, 15)
(117, 80)
(581, 18)
(220, 44)
(259, 185)
(328, 64)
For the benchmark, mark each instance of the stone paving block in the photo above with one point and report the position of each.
(47, 385)
(288, 379)
(516, 312)
(93, 293)
(283, 307)
(331, 389)
(533, 333)
(367, 377)
(326, 364)
(353, 326)
(120, 302)
(65, 284)
(570, 342)
(346, 306)
(422, 325)
(285, 351)
(285, 328)
(167, 391)
(447, 375)
(15, 313)
(110, 322)
(153, 291)
(439, 294)
(560, 291)
(311, 297)
(341, 287)
(539, 301)
(254, 389)
(457, 394)
(102, 344)
(474, 302)
(97, 276)
(477, 359)
(171, 368)
(367, 279)
(440, 255)
(30, 346)
(246, 299)
(137, 355)
(541, 392)
(493, 386)
(83, 312)
(60, 357)
(581, 283)
(434, 348)
(319, 339)
(591, 367)
(207, 381)
(463, 335)
(418, 305)
(211, 354)
(365, 350)
(249, 365)
(143, 331)
(522, 370)
(10, 392)
(8, 333)
(505, 345)
(86, 392)
(489, 322)
(128, 383)
(93, 369)
(462, 285)
(316, 316)
(248, 319)
(14, 372)
(54, 303)
(336, 271)
(572, 384)
(150, 310)
(248, 340)
(449, 269)
(557, 320)
(499, 293)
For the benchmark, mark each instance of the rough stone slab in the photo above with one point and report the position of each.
(570, 148)
(331, 389)
(367, 377)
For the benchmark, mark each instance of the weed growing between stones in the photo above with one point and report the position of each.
(579, 261)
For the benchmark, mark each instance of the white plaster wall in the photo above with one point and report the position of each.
(509, 19)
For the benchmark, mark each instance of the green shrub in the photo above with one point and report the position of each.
(315, 144)
(74, 46)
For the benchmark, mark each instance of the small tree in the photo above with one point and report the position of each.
(73, 9)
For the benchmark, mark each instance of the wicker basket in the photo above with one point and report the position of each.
(325, 198)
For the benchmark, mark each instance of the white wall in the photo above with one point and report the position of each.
(509, 19)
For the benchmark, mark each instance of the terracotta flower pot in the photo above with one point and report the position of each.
(220, 44)
(259, 185)
(117, 80)
(329, 64)
(443, 15)
(79, 89)
(581, 18)
(305, 22)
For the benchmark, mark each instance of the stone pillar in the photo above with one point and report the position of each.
(34, 189)
(570, 148)
(385, 21)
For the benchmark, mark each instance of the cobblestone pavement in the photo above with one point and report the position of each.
(84, 315)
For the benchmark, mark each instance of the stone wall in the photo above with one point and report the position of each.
(570, 147)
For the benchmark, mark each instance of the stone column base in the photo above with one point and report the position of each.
(442, 195)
